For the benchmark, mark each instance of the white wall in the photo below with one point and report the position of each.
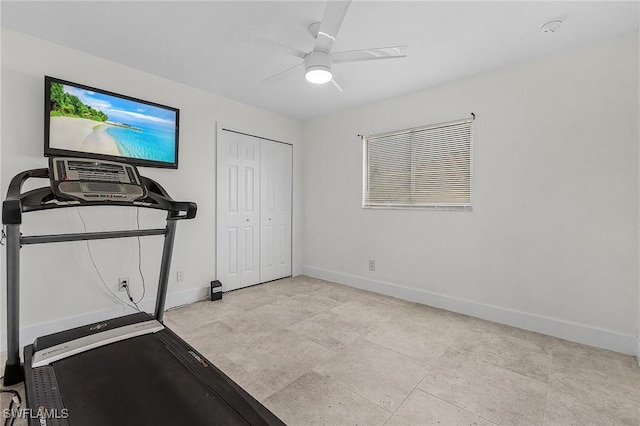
(552, 242)
(59, 283)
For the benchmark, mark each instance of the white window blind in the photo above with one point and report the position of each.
(426, 167)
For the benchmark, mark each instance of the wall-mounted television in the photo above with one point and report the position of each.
(82, 121)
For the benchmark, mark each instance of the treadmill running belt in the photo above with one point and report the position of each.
(137, 381)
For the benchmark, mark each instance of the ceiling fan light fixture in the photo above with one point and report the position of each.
(317, 67)
(318, 74)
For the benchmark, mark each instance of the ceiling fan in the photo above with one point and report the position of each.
(318, 64)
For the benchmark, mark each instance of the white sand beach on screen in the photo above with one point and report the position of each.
(81, 134)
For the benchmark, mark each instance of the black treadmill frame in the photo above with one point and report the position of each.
(42, 389)
(44, 198)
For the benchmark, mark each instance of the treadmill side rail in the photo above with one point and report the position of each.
(44, 401)
(64, 350)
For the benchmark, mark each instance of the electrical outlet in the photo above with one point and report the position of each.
(179, 276)
(372, 265)
(122, 283)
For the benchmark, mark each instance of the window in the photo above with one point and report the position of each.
(426, 167)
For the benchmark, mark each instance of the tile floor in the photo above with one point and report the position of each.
(320, 353)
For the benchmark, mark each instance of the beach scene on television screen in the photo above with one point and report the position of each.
(93, 122)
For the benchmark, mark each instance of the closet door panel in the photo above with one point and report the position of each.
(238, 200)
(275, 214)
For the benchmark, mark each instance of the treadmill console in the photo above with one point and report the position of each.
(95, 180)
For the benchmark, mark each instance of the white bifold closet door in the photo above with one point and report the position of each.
(238, 229)
(253, 210)
(275, 210)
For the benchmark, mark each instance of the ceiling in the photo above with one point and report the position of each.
(201, 43)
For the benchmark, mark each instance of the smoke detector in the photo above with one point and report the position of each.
(551, 26)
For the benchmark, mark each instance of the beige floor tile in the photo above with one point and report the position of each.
(499, 346)
(341, 293)
(571, 412)
(315, 303)
(439, 319)
(580, 396)
(365, 311)
(312, 399)
(290, 305)
(312, 286)
(494, 393)
(281, 358)
(284, 287)
(332, 331)
(383, 298)
(383, 376)
(422, 409)
(246, 381)
(574, 356)
(174, 326)
(592, 386)
(412, 338)
(264, 320)
(250, 298)
(215, 338)
(200, 313)
(546, 343)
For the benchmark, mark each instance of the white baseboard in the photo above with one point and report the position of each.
(29, 333)
(605, 339)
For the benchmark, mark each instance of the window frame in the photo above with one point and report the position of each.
(446, 206)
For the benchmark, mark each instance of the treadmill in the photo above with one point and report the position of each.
(127, 370)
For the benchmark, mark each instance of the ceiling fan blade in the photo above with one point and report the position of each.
(334, 14)
(270, 44)
(335, 83)
(281, 74)
(369, 54)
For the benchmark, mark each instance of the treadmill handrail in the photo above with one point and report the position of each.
(43, 198)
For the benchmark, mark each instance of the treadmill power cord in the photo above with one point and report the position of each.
(84, 225)
(144, 287)
(126, 288)
(126, 285)
(10, 413)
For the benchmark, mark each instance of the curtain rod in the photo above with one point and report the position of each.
(415, 129)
